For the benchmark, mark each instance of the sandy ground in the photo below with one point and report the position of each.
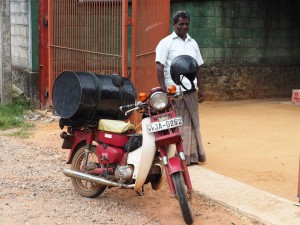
(256, 142)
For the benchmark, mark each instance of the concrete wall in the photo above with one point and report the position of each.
(20, 17)
(5, 52)
(19, 10)
(251, 48)
(24, 76)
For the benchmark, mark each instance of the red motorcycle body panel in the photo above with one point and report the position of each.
(109, 154)
(174, 165)
(118, 140)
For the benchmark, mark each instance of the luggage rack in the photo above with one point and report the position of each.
(78, 124)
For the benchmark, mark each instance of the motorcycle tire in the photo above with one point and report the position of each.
(86, 188)
(181, 194)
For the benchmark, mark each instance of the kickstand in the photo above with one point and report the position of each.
(140, 192)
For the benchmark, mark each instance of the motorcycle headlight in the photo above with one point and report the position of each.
(159, 100)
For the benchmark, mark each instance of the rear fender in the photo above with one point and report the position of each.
(75, 146)
(74, 149)
(78, 139)
(174, 165)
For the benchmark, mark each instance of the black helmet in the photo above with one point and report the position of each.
(184, 65)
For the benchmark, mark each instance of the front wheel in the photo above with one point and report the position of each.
(181, 194)
(86, 188)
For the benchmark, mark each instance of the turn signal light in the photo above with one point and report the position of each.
(172, 89)
(142, 96)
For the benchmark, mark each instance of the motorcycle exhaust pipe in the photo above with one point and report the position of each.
(94, 179)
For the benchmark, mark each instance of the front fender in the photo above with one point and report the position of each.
(174, 165)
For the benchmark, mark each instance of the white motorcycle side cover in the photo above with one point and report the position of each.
(142, 158)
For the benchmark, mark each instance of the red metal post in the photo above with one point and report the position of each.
(135, 118)
(43, 52)
(133, 39)
(124, 37)
(50, 56)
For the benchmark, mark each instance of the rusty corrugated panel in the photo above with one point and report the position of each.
(152, 24)
(85, 36)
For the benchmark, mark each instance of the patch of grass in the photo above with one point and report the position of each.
(11, 116)
(22, 133)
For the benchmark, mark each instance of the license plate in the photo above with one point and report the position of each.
(164, 125)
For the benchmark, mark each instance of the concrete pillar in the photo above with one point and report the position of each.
(5, 53)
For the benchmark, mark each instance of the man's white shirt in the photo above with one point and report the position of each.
(172, 46)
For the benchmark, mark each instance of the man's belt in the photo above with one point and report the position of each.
(188, 91)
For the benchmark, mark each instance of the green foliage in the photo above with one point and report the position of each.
(11, 116)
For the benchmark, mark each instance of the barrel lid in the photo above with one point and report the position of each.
(66, 94)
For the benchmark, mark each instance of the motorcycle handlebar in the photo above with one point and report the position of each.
(126, 107)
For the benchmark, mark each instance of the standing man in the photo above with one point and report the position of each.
(180, 43)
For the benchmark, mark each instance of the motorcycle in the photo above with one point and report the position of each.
(112, 153)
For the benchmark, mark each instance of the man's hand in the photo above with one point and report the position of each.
(201, 96)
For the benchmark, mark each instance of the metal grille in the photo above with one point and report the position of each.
(92, 35)
(86, 35)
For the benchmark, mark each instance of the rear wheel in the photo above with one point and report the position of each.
(181, 194)
(86, 188)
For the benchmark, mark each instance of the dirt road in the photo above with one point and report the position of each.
(34, 191)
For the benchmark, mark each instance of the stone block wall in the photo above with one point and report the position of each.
(251, 48)
(247, 82)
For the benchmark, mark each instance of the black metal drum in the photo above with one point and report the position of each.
(80, 96)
